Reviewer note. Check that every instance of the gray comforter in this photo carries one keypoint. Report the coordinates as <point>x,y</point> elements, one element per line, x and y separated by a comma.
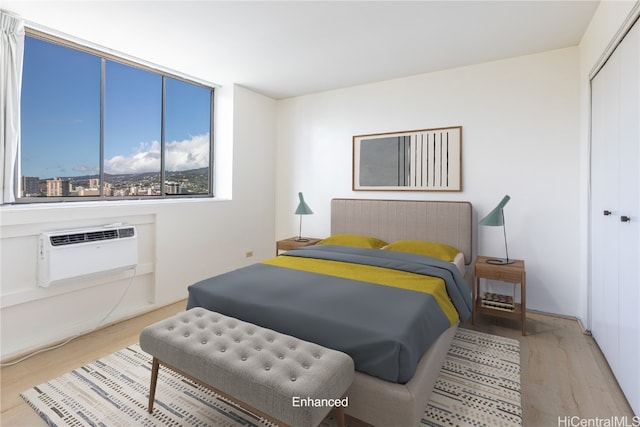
<point>384,329</point>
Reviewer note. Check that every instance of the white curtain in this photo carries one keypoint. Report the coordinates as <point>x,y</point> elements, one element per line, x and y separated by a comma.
<point>11,55</point>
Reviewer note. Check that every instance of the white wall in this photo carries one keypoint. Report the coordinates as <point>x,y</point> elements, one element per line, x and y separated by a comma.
<point>608,19</point>
<point>521,136</point>
<point>180,242</point>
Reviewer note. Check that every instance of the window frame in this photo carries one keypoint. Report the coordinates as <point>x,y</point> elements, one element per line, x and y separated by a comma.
<point>104,55</point>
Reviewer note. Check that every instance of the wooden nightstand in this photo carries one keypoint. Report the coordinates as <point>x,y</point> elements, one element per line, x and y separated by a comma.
<point>510,273</point>
<point>291,243</point>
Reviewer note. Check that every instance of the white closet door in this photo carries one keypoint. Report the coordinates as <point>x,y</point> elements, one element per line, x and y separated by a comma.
<point>629,233</point>
<point>615,190</point>
<point>604,213</point>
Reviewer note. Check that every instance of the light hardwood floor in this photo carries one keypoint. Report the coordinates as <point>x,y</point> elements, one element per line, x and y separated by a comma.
<point>563,372</point>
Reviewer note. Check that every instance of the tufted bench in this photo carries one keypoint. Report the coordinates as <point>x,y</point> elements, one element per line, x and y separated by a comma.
<point>276,376</point>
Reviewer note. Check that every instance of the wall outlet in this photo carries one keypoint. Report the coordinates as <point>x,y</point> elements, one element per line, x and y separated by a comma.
<point>248,254</point>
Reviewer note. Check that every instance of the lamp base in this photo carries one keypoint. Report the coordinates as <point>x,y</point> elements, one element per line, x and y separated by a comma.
<point>301,239</point>
<point>500,261</point>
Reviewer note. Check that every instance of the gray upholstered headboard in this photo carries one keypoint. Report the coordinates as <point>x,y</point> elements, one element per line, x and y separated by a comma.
<point>391,220</point>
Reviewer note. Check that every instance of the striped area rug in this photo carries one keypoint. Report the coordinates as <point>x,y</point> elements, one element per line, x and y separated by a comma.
<point>479,385</point>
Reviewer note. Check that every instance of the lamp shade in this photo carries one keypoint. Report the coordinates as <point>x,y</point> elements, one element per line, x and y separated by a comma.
<point>303,208</point>
<point>495,217</point>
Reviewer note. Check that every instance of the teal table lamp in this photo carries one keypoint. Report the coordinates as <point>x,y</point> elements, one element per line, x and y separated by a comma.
<point>302,209</point>
<point>496,218</point>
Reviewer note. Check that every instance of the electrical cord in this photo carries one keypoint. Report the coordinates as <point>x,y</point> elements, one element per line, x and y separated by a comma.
<point>68,340</point>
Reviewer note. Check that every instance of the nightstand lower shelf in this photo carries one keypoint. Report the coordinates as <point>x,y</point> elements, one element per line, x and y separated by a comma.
<point>516,313</point>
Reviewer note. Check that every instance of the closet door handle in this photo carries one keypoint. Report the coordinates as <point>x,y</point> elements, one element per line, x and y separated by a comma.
<point>606,213</point>
<point>625,218</point>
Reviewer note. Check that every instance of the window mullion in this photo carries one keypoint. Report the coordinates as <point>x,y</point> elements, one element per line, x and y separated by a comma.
<point>211,140</point>
<point>101,182</point>
<point>162,136</point>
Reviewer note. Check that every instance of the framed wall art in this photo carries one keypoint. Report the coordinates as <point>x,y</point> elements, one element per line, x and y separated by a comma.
<point>418,160</point>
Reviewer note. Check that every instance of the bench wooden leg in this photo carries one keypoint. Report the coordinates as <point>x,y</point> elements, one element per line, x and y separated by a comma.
<point>154,380</point>
<point>340,416</point>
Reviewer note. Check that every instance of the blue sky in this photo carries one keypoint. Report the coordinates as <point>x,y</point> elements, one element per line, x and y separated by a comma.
<point>61,116</point>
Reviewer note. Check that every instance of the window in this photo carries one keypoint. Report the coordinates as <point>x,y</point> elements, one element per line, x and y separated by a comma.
<point>96,127</point>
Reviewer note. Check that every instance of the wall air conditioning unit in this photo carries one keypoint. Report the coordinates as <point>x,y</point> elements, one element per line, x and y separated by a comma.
<point>73,254</point>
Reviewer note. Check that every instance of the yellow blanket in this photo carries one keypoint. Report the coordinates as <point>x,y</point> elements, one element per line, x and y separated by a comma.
<point>377,275</point>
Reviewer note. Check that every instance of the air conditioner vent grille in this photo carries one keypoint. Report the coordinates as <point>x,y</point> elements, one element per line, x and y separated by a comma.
<point>91,236</point>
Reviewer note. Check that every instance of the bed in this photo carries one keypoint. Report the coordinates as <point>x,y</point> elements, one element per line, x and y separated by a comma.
<point>331,294</point>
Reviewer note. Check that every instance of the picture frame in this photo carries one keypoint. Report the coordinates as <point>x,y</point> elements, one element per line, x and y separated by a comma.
<point>416,160</point>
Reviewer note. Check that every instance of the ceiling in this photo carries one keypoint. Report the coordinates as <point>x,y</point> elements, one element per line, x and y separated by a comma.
<point>292,48</point>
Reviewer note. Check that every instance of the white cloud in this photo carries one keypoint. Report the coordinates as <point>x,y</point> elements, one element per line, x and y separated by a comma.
<point>182,155</point>
<point>188,154</point>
